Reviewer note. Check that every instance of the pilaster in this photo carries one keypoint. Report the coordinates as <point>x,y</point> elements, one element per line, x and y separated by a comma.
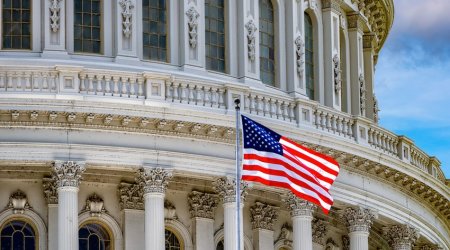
<point>192,33</point>
<point>369,75</point>
<point>126,29</point>
<point>54,15</point>
<point>355,35</point>
<point>332,53</point>
<point>295,48</point>
<point>358,222</point>
<point>302,215</point>
<point>202,207</point>
<point>225,187</point>
<point>401,237</point>
<point>263,216</point>
<point>51,197</point>
<point>67,175</point>
<point>154,182</point>
<point>132,205</point>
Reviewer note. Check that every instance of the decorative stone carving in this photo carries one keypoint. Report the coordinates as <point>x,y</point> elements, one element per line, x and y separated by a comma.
<point>286,235</point>
<point>362,94</point>
<point>202,205</point>
<point>430,247</point>
<point>358,219</point>
<point>52,116</point>
<point>401,237</point>
<point>95,205</point>
<point>375,109</point>
<point>319,231</point>
<point>50,190</point>
<point>226,188</point>
<point>193,16</point>
<point>169,210</point>
<point>68,173</point>
<point>299,207</point>
<point>15,115</point>
<point>18,202</point>
<point>263,216</point>
<point>71,117</point>
<point>34,116</point>
<point>251,37</point>
<point>300,51</point>
<point>343,22</point>
<point>337,73</point>
<point>90,118</point>
<point>127,16</point>
<point>153,180</point>
<point>345,242</point>
<point>54,15</point>
<point>312,4</point>
<point>130,196</point>
<point>331,244</point>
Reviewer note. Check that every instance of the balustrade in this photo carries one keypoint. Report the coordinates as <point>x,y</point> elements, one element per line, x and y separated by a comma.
<point>28,80</point>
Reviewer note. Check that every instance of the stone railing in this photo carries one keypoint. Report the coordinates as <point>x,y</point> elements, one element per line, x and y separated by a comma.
<point>146,87</point>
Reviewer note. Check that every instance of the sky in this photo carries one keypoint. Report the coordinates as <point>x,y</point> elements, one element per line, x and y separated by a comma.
<point>412,81</point>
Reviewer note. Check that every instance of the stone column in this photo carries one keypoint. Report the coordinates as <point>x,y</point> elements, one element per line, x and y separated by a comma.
<point>302,215</point>
<point>132,205</point>
<point>67,175</point>
<point>331,53</point>
<point>51,196</point>
<point>358,222</point>
<point>154,183</point>
<point>226,188</point>
<point>357,81</point>
<point>263,216</point>
<point>202,207</point>
<point>369,74</point>
<point>401,237</point>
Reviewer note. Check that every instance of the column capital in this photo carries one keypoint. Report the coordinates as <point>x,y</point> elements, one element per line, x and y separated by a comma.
<point>226,188</point>
<point>355,21</point>
<point>401,237</point>
<point>299,207</point>
<point>331,5</point>
<point>368,39</point>
<point>358,219</point>
<point>153,180</point>
<point>202,205</point>
<point>263,216</point>
<point>319,231</point>
<point>68,173</point>
<point>50,190</point>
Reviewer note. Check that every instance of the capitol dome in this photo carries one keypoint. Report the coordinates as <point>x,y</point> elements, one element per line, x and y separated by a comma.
<point>117,127</point>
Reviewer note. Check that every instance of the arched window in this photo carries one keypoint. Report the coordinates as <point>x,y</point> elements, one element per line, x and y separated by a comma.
<point>16,22</point>
<point>309,57</point>
<point>18,235</point>
<point>220,246</point>
<point>154,19</point>
<point>172,242</point>
<point>215,35</point>
<point>87,26</point>
<point>266,42</point>
<point>93,236</point>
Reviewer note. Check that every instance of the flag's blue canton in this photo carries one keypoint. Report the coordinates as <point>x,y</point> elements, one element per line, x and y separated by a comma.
<point>260,138</point>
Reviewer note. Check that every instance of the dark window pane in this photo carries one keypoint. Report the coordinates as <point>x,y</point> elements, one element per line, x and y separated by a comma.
<point>215,35</point>
<point>266,42</point>
<point>309,57</point>
<point>154,29</point>
<point>87,26</point>
<point>94,237</point>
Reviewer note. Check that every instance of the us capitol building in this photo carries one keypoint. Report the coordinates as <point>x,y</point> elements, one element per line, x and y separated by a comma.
<point>117,127</point>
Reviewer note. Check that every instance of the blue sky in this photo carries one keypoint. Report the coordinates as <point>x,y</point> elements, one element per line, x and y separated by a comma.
<point>413,76</point>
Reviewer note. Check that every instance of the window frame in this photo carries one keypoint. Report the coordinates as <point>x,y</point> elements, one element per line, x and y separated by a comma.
<point>276,40</point>
<point>313,58</point>
<point>104,225</point>
<point>37,244</point>
<point>225,44</point>
<point>140,36</point>
<point>102,24</point>
<point>32,29</point>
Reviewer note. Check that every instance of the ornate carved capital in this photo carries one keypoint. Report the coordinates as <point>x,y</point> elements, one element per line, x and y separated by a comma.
<point>331,4</point>
<point>202,205</point>
<point>354,21</point>
<point>299,207</point>
<point>368,41</point>
<point>319,231</point>
<point>358,219</point>
<point>50,190</point>
<point>130,196</point>
<point>226,188</point>
<point>153,180</point>
<point>68,173</point>
<point>263,216</point>
<point>95,205</point>
<point>401,237</point>
<point>18,202</point>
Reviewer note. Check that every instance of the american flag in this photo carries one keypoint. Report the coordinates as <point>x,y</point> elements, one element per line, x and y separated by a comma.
<point>274,160</point>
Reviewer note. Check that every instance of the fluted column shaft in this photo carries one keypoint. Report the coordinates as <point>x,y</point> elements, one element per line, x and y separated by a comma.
<point>67,176</point>
<point>154,221</point>
<point>302,232</point>
<point>68,218</point>
<point>154,183</point>
<point>359,240</point>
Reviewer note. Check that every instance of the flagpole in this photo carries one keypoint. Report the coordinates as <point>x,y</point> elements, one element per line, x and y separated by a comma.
<point>238,176</point>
